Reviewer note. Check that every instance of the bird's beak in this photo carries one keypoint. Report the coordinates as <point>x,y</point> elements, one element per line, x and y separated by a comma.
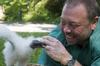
<point>37,44</point>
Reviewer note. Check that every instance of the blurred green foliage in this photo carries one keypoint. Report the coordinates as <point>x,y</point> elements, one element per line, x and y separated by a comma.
<point>21,10</point>
<point>43,11</point>
<point>98,2</point>
<point>55,6</point>
<point>27,11</point>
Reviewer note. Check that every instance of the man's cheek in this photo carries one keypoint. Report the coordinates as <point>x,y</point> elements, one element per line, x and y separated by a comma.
<point>79,31</point>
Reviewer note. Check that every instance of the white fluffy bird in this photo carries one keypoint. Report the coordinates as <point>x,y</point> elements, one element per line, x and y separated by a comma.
<point>17,49</point>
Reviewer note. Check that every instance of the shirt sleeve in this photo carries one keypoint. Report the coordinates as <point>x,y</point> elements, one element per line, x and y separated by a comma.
<point>96,62</point>
<point>95,45</point>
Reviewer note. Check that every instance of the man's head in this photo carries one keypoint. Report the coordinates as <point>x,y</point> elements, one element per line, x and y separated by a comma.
<point>78,20</point>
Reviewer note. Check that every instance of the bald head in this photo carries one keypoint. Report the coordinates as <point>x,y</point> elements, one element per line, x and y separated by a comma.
<point>79,9</point>
<point>91,7</point>
<point>76,14</point>
<point>75,22</point>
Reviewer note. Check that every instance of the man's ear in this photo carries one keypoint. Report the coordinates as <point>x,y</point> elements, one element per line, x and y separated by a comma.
<point>93,26</point>
<point>96,18</point>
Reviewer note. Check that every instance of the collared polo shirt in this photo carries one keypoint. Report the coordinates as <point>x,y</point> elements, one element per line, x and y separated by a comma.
<point>87,56</point>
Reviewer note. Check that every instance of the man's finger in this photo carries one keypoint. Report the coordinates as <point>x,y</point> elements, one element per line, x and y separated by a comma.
<point>48,48</point>
<point>47,42</point>
<point>52,39</point>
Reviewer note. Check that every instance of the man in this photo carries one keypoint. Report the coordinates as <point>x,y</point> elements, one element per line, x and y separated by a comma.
<point>75,34</point>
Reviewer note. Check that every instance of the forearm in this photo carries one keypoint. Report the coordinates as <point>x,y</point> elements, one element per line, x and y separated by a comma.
<point>57,51</point>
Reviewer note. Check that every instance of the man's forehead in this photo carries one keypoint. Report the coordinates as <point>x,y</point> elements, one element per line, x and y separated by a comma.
<point>75,14</point>
<point>79,9</point>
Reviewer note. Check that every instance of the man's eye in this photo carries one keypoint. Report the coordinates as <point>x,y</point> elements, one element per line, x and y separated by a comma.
<point>75,26</point>
<point>63,23</point>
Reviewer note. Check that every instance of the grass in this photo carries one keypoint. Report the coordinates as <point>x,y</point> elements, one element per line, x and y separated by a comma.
<point>35,54</point>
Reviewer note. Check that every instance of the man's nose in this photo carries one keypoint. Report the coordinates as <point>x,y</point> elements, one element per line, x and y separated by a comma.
<point>67,29</point>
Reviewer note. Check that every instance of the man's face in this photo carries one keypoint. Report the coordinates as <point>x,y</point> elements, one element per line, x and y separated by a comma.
<point>75,24</point>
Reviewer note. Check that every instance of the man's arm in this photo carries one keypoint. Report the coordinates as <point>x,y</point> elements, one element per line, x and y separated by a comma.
<point>57,51</point>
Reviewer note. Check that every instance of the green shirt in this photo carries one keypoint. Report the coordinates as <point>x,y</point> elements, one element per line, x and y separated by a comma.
<point>87,56</point>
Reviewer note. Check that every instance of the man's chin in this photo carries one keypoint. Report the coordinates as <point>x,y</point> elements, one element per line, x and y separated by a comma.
<point>71,42</point>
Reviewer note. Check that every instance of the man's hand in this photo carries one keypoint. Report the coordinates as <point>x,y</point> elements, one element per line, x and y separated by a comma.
<point>56,50</point>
